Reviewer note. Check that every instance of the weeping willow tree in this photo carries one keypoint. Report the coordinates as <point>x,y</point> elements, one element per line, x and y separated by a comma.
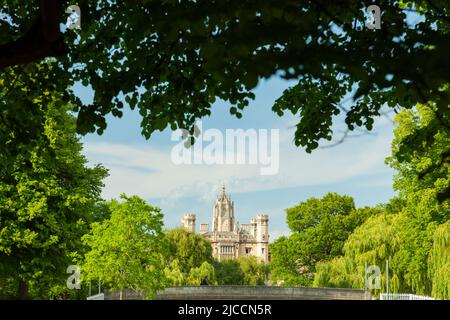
<point>340,272</point>
<point>204,272</point>
<point>371,244</point>
<point>422,180</point>
<point>383,238</point>
<point>174,274</point>
<point>414,237</point>
<point>439,262</point>
<point>194,277</point>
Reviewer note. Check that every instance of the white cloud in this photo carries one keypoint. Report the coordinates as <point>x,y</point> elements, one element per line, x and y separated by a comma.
<point>147,170</point>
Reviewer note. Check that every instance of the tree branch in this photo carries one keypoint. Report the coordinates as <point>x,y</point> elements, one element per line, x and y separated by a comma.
<point>435,7</point>
<point>346,134</point>
<point>42,40</point>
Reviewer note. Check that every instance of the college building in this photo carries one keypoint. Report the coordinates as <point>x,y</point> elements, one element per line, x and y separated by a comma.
<point>230,240</point>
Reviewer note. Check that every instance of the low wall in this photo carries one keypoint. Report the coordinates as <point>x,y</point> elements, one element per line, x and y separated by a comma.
<point>250,293</point>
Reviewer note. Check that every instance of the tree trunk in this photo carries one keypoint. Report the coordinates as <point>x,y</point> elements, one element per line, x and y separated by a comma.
<point>121,294</point>
<point>42,40</point>
<point>23,290</point>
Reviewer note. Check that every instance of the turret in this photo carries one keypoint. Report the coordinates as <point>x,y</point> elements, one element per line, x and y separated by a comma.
<point>262,228</point>
<point>262,237</point>
<point>189,222</point>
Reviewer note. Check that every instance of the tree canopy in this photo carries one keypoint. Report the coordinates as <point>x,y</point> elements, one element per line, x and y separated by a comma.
<point>371,244</point>
<point>319,228</point>
<point>190,249</point>
<point>439,262</point>
<point>412,233</point>
<point>173,59</point>
<point>229,272</point>
<point>188,259</point>
<point>47,197</point>
<point>242,271</point>
<point>127,250</point>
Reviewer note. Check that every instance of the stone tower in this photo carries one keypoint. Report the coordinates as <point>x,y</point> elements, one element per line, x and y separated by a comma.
<point>262,236</point>
<point>189,222</point>
<point>229,240</point>
<point>223,214</point>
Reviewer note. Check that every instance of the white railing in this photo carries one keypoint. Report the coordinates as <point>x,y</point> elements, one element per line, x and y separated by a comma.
<point>99,296</point>
<point>403,296</point>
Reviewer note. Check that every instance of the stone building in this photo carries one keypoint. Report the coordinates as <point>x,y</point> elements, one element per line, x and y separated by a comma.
<point>230,240</point>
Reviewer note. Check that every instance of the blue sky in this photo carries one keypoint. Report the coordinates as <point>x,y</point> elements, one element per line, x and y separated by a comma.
<point>137,166</point>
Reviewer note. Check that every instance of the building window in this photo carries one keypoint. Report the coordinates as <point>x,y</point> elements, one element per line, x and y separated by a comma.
<point>262,250</point>
<point>248,251</point>
<point>227,250</point>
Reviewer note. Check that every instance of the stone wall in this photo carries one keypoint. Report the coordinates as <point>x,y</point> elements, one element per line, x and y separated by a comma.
<point>250,293</point>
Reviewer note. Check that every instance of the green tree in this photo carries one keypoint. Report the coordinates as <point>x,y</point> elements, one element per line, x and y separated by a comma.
<point>422,180</point>
<point>126,251</point>
<point>204,272</point>
<point>283,262</point>
<point>255,273</point>
<point>228,272</point>
<point>320,228</point>
<point>415,238</point>
<point>338,273</point>
<point>439,262</point>
<point>426,165</point>
<point>242,271</point>
<point>173,59</point>
<point>371,244</point>
<point>194,277</point>
<point>188,248</point>
<point>47,193</point>
<point>174,275</point>
<point>383,237</point>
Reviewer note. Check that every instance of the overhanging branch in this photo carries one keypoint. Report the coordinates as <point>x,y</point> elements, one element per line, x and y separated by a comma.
<point>42,40</point>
